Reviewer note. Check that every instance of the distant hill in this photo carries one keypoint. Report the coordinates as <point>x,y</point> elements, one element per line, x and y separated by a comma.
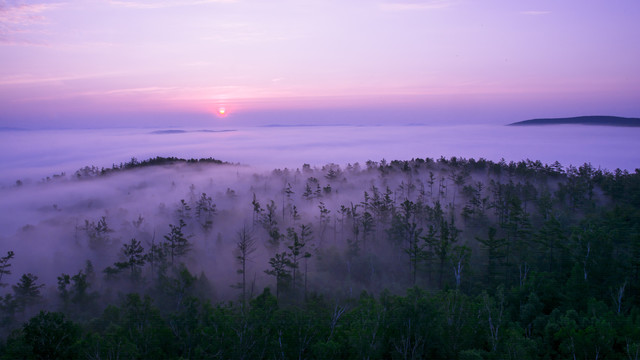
<point>582,120</point>
<point>177,131</point>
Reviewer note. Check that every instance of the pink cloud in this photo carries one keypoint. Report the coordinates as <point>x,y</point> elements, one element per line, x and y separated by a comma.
<point>18,18</point>
<point>163,4</point>
<point>400,5</point>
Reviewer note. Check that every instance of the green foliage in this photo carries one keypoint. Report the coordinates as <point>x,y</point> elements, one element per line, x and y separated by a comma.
<point>98,234</point>
<point>297,243</point>
<point>133,253</point>
<point>483,260</point>
<point>281,266</point>
<point>495,249</point>
<point>245,247</point>
<point>205,212</point>
<point>77,298</point>
<point>440,239</point>
<point>45,336</point>
<point>26,292</point>
<point>176,243</point>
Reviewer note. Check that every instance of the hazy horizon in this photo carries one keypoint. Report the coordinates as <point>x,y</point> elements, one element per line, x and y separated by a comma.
<point>36,154</point>
<point>457,70</point>
<point>156,63</point>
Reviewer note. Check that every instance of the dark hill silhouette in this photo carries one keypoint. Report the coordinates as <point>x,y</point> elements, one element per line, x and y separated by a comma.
<point>582,120</point>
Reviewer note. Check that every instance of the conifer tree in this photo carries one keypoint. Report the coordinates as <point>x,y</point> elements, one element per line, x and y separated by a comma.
<point>26,292</point>
<point>205,211</point>
<point>281,270</point>
<point>495,248</point>
<point>184,210</point>
<point>440,241</point>
<point>4,266</point>
<point>98,233</point>
<point>176,242</point>
<point>325,218</point>
<point>297,243</point>
<point>245,246</point>
<point>133,254</point>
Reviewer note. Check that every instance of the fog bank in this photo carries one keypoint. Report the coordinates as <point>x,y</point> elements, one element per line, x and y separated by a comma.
<point>36,154</point>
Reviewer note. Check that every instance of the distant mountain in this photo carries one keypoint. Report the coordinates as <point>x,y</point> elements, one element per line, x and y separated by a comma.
<point>168,132</point>
<point>582,120</point>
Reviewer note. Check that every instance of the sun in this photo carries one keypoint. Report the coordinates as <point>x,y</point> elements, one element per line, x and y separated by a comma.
<point>222,111</point>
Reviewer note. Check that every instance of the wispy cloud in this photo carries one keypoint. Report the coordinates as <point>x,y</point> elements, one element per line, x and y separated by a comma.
<point>164,4</point>
<point>403,5</point>
<point>198,64</point>
<point>247,37</point>
<point>32,80</point>
<point>239,32</point>
<point>23,13</point>
<point>140,90</point>
<point>535,12</point>
<point>161,96</point>
<point>18,18</point>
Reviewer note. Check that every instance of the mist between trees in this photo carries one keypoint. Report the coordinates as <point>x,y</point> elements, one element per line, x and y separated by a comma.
<point>497,260</point>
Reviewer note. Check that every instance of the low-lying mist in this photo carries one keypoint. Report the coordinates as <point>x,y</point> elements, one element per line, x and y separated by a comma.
<point>354,221</point>
<point>33,155</point>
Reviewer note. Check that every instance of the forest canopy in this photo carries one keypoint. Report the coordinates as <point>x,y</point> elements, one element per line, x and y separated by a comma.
<point>424,258</point>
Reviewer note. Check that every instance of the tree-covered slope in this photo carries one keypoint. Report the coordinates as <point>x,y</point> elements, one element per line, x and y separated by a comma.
<point>448,258</point>
<point>582,120</point>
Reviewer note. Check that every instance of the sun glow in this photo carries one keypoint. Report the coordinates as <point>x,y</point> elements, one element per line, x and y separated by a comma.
<point>222,111</point>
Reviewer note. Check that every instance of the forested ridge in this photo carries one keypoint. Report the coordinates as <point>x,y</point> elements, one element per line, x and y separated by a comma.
<point>428,258</point>
<point>582,120</point>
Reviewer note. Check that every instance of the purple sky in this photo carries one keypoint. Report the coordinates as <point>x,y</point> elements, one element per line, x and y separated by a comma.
<point>95,63</point>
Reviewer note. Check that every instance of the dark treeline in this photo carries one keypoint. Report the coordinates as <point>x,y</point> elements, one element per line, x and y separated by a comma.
<point>89,171</point>
<point>448,259</point>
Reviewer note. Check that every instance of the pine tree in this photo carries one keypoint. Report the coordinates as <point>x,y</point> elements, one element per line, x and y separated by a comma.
<point>4,266</point>
<point>257,209</point>
<point>205,211</point>
<point>184,211</point>
<point>414,249</point>
<point>177,243</point>
<point>495,248</point>
<point>26,292</point>
<point>245,246</point>
<point>325,218</point>
<point>270,224</point>
<point>441,241</point>
<point>157,257</point>
<point>296,251</point>
<point>280,269</point>
<point>133,254</point>
<point>98,233</point>
<point>368,226</point>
